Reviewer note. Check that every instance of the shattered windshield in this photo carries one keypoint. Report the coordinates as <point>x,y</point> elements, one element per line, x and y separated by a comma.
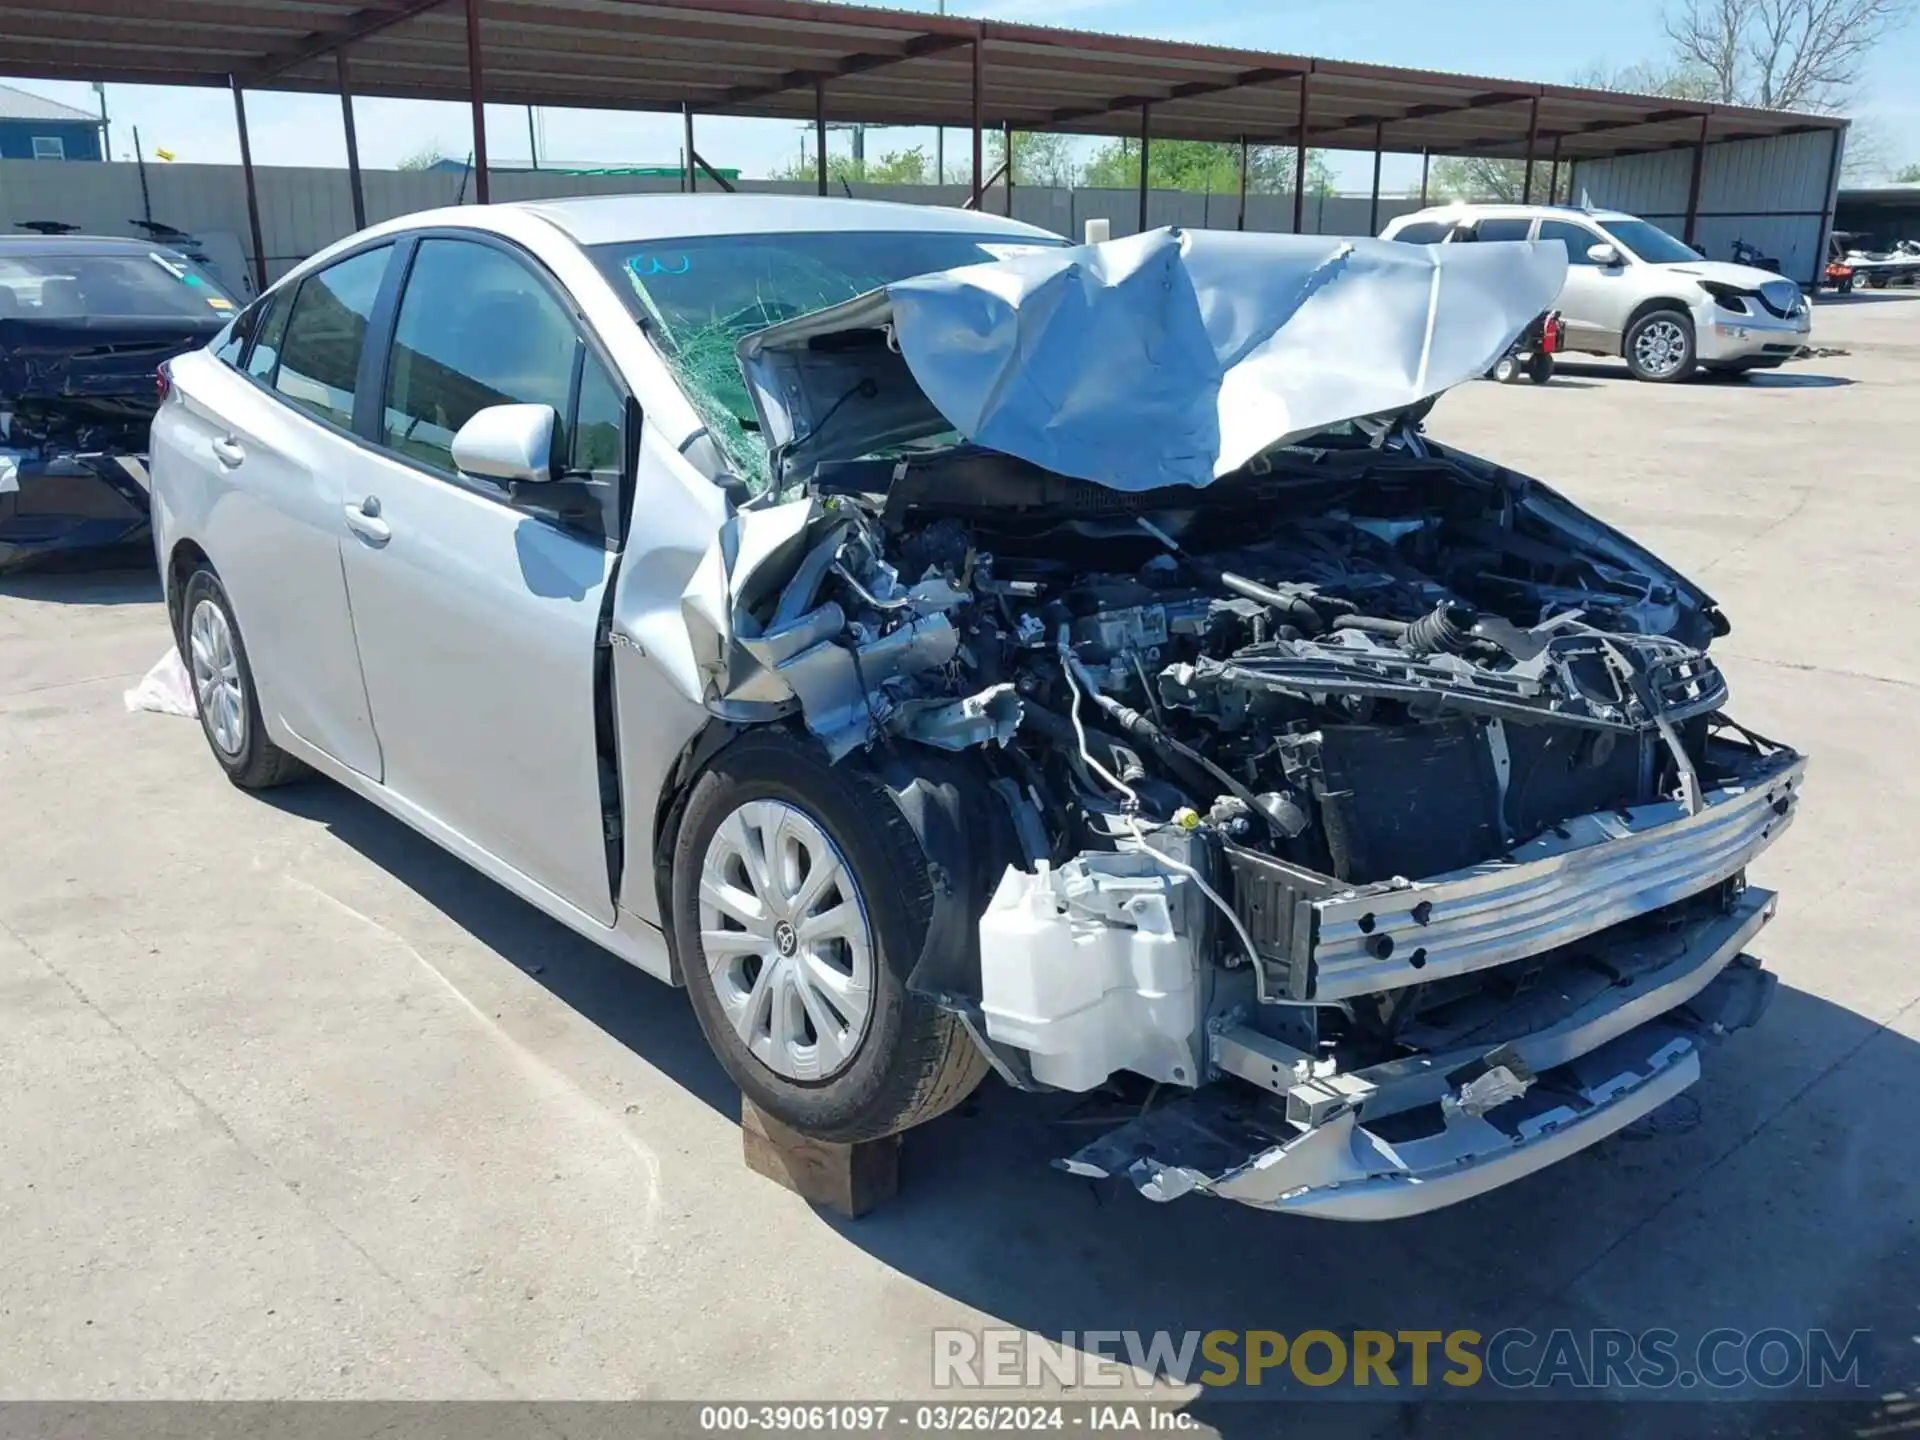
<point>700,296</point>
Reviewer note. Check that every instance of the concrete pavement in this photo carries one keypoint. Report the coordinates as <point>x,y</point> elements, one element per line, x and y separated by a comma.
<point>294,1105</point>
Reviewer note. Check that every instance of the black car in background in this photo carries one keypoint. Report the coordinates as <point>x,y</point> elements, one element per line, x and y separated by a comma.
<point>84,326</point>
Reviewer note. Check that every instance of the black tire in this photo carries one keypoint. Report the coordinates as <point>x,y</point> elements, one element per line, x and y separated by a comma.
<point>1845,287</point>
<point>1540,367</point>
<point>1878,281</point>
<point>913,1060</point>
<point>1675,327</point>
<point>256,763</point>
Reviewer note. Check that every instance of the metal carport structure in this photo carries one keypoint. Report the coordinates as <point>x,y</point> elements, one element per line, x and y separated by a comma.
<point>803,60</point>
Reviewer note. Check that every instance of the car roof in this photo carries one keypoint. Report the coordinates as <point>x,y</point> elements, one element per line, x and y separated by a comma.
<point>70,245</point>
<point>1475,209</point>
<point>608,219</point>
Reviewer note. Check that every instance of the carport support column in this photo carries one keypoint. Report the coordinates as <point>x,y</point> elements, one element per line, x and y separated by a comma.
<point>1373,207</point>
<point>476,91</point>
<point>1006,141</point>
<point>1425,158</point>
<point>1553,174</point>
<point>1693,185</point>
<point>1146,120</point>
<point>253,195</point>
<point>686,124</point>
<point>979,85</point>
<point>1827,214</point>
<point>820,137</point>
<point>1533,136</point>
<point>353,141</point>
<point>1300,159</point>
<point>1240,217</point>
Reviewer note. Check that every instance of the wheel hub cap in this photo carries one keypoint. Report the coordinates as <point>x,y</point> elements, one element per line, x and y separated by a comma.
<point>215,667</point>
<point>1660,347</point>
<point>786,939</point>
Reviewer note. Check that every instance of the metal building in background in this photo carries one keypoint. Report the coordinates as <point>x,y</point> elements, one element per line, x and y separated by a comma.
<point>1777,193</point>
<point>815,62</point>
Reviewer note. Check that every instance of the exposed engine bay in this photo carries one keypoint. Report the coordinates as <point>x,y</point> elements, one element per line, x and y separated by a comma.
<point>1374,800</point>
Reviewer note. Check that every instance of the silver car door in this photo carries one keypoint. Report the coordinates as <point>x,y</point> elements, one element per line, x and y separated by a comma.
<point>1596,299</point>
<point>272,441</point>
<point>477,611</point>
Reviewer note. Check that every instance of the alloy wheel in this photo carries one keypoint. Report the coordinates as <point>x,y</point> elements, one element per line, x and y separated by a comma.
<point>1660,348</point>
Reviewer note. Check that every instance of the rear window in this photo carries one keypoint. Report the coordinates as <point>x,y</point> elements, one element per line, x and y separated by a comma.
<point>154,285</point>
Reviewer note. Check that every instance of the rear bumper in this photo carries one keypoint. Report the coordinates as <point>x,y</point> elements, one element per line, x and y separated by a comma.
<point>69,502</point>
<point>1403,1138</point>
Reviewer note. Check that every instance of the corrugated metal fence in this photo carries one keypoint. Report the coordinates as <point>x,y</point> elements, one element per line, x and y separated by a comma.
<point>303,210</point>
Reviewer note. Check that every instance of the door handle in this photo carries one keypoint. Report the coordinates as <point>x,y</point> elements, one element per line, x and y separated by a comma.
<point>228,451</point>
<point>364,520</point>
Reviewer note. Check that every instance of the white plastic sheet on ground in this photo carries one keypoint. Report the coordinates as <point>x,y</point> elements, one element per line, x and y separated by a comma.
<point>1175,356</point>
<point>166,689</point>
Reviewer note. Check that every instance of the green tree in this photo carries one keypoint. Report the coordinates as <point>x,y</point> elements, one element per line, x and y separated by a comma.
<point>1481,177</point>
<point>425,158</point>
<point>901,167</point>
<point>896,167</point>
<point>1907,175</point>
<point>841,169</point>
<point>1205,166</point>
<point>1039,158</point>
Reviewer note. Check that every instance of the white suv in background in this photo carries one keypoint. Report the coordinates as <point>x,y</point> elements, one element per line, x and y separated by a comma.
<point>1633,290</point>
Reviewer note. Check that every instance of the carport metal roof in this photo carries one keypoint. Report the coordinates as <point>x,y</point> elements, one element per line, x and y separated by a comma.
<point>800,59</point>
<point>763,58</point>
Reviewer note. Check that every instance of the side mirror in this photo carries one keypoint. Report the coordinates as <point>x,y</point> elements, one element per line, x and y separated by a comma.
<point>1601,254</point>
<point>507,443</point>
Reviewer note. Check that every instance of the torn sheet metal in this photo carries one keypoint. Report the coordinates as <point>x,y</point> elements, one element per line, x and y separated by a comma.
<point>1171,357</point>
<point>989,717</point>
<point>766,643</point>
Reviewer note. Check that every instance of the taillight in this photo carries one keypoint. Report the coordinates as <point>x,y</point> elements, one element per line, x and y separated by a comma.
<point>163,381</point>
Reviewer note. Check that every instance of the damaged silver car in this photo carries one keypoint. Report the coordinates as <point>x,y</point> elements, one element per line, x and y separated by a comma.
<point>942,649</point>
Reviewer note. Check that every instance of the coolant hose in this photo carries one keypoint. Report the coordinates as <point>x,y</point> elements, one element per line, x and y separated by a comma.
<point>1293,609</point>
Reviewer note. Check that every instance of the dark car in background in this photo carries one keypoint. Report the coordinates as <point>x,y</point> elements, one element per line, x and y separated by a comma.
<point>85,325</point>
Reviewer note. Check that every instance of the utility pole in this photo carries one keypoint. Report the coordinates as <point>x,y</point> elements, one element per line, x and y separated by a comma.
<point>106,130</point>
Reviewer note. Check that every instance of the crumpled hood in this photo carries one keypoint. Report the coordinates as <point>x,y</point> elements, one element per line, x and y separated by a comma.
<point>1171,357</point>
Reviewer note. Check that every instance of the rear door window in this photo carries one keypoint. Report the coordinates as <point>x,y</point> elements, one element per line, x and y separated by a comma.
<point>1504,227</point>
<point>1421,232</point>
<point>476,328</point>
<point>326,329</point>
<point>269,330</point>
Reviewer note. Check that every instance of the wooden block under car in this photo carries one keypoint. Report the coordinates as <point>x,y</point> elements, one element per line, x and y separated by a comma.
<point>851,1179</point>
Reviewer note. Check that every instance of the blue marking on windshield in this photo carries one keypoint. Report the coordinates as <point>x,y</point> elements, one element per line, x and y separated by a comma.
<point>642,266</point>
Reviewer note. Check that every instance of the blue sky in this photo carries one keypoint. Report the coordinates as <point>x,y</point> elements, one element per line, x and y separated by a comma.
<point>1504,38</point>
